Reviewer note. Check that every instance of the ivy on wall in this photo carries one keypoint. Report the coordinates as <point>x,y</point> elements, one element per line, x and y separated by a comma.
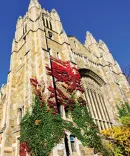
<point>43,128</point>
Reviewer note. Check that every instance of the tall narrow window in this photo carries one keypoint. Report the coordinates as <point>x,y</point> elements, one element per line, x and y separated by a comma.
<point>47,23</point>
<point>58,55</point>
<point>25,28</point>
<point>19,115</point>
<point>59,109</point>
<point>43,20</point>
<point>50,26</point>
<point>50,34</point>
<point>67,112</point>
<point>66,146</point>
<point>24,38</point>
<point>75,44</point>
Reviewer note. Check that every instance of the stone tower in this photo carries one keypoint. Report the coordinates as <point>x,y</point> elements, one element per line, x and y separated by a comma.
<point>38,35</point>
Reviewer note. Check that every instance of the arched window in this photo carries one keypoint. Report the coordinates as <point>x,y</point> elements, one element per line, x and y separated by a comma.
<point>20,114</point>
<point>95,97</point>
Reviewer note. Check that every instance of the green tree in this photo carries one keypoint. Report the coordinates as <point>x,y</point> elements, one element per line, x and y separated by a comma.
<point>119,136</point>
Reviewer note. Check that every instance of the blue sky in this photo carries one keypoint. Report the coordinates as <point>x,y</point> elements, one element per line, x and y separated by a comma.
<point>108,20</point>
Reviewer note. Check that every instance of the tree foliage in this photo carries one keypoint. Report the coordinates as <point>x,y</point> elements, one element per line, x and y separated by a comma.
<point>119,136</point>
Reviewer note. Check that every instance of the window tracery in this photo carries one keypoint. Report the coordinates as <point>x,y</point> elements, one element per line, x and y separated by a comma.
<point>96,102</point>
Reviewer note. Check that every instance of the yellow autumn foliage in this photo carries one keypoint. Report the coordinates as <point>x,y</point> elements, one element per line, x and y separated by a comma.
<point>119,138</point>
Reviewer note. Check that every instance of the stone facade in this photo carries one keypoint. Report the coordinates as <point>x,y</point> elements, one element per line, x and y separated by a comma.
<point>40,34</point>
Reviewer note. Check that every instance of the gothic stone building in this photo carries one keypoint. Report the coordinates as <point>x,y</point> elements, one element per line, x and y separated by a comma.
<point>39,34</point>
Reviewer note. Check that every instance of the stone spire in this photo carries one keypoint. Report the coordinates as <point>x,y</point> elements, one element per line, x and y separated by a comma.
<point>33,3</point>
<point>55,15</point>
<point>89,40</point>
<point>103,45</point>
